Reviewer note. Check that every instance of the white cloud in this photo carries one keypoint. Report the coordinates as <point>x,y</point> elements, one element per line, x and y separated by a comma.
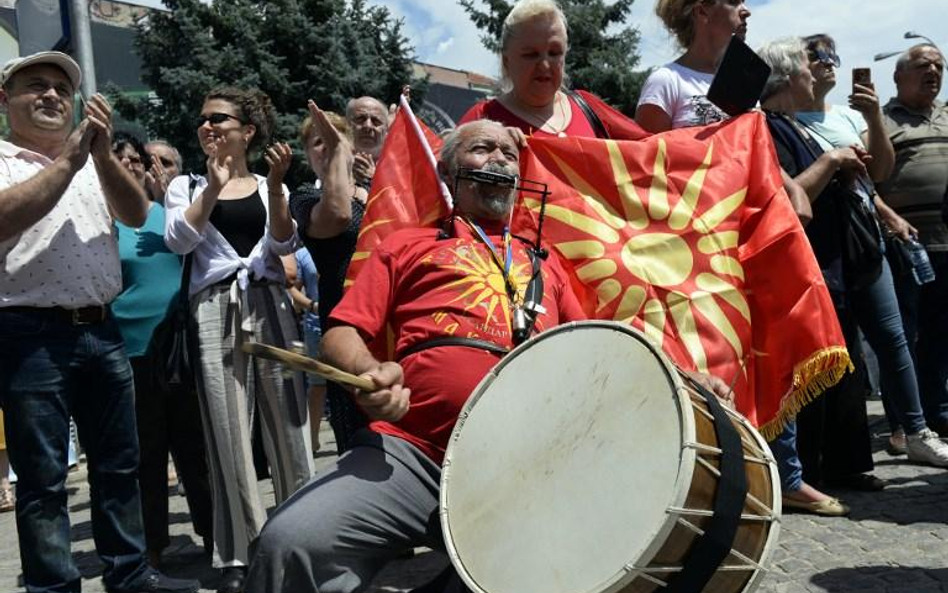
<point>445,45</point>
<point>443,34</point>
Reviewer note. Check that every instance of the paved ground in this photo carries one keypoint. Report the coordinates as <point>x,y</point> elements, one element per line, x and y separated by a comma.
<point>896,541</point>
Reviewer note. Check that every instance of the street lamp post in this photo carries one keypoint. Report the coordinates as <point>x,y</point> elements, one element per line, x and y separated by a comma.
<point>884,55</point>
<point>908,35</point>
<point>914,35</point>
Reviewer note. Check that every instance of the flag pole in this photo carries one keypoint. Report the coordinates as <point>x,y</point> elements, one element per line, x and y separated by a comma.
<point>429,154</point>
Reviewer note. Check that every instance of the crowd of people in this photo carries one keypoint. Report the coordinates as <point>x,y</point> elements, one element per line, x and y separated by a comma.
<point>103,235</point>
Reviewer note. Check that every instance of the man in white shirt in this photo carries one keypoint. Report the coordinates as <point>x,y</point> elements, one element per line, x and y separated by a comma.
<point>60,350</point>
<point>368,119</point>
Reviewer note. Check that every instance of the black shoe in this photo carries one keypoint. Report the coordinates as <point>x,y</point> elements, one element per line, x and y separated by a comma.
<point>232,579</point>
<point>863,482</point>
<point>156,582</point>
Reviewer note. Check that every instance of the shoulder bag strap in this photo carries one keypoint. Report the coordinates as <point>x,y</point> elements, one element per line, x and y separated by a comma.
<point>188,258</point>
<point>591,116</point>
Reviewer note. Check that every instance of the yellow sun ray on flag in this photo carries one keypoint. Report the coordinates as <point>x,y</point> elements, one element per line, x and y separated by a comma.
<point>661,232</point>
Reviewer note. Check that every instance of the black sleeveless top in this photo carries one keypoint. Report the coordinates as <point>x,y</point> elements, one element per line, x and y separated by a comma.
<point>242,222</point>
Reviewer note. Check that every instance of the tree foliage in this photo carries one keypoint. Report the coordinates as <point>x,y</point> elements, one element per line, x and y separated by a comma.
<point>603,51</point>
<point>294,50</point>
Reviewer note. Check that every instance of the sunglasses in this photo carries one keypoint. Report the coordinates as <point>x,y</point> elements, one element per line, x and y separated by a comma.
<point>216,118</point>
<point>824,57</point>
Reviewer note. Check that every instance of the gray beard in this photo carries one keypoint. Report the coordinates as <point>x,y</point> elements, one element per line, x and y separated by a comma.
<point>497,200</point>
<point>497,204</point>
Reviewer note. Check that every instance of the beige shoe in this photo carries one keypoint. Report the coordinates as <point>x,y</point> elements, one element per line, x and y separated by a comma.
<point>829,507</point>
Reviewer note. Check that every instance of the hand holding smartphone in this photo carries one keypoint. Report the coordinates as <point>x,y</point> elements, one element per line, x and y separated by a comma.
<point>862,77</point>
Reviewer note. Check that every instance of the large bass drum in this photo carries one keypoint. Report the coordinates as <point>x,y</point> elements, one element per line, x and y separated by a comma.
<point>586,463</point>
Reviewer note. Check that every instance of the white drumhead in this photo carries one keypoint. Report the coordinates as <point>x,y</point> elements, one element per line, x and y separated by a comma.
<point>563,462</point>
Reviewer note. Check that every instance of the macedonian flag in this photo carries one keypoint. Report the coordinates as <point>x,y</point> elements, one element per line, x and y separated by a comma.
<point>689,236</point>
<point>406,190</point>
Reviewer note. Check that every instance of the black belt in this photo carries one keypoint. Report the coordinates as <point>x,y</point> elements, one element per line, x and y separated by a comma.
<point>80,316</point>
<point>452,341</point>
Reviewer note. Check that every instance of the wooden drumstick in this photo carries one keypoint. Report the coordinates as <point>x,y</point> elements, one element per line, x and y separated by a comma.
<point>301,362</point>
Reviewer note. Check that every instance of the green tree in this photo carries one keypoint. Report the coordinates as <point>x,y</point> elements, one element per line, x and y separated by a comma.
<point>294,50</point>
<point>603,51</point>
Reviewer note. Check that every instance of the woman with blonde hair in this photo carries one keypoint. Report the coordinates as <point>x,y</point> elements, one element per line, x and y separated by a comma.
<point>535,98</point>
<point>674,96</point>
<point>236,225</point>
<point>328,214</point>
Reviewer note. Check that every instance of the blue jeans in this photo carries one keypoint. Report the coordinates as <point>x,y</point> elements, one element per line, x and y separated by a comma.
<point>877,311</point>
<point>50,369</point>
<point>925,317</point>
<point>784,448</point>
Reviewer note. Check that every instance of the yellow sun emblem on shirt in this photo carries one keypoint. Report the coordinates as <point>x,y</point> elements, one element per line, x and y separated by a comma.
<point>483,283</point>
<point>663,253</point>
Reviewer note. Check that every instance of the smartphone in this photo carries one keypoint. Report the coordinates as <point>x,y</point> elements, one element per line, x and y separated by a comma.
<point>862,77</point>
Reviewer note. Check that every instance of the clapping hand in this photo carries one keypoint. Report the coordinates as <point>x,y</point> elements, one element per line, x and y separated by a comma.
<point>220,168</point>
<point>76,150</point>
<point>278,158</point>
<point>363,167</point>
<point>156,178</point>
<point>98,113</point>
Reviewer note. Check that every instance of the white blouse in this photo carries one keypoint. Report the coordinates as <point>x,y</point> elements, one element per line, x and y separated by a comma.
<point>214,258</point>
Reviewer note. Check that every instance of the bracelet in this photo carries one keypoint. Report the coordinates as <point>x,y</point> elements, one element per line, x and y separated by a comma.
<point>312,306</point>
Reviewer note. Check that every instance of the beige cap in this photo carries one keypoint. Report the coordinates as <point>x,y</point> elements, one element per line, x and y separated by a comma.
<point>56,58</point>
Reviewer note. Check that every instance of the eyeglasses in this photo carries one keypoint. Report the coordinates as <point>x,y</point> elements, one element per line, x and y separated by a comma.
<point>216,118</point>
<point>824,57</point>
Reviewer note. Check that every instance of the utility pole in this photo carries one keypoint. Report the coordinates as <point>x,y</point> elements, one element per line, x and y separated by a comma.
<point>82,44</point>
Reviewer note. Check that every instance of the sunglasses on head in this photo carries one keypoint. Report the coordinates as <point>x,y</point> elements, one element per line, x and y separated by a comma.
<point>216,118</point>
<point>824,57</point>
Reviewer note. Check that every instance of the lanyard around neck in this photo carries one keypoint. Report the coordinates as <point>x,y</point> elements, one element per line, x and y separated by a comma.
<point>505,266</point>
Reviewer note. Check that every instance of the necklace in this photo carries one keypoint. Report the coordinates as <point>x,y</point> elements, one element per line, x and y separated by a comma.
<point>544,125</point>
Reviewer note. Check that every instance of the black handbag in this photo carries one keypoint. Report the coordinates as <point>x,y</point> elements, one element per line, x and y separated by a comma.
<point>169,353</point>
<point>862,240</point>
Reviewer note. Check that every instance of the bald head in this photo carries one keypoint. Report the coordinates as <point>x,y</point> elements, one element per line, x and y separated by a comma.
<point>368,120</point>
<point>918,76</point>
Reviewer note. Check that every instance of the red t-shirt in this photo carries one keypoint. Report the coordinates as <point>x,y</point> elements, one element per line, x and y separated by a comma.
<point>617,125</point>
<point>426,288</point>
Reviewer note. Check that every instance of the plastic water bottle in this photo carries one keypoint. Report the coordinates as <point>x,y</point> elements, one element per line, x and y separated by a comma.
<point>921,266</point>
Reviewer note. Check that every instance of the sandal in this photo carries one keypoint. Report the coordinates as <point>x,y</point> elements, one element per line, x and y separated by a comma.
<point>7,499</point>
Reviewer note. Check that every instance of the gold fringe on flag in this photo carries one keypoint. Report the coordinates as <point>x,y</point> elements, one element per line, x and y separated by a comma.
<point>811,378</point>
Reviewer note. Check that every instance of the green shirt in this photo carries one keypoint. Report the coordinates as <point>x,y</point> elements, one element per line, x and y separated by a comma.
<point>151,276</point>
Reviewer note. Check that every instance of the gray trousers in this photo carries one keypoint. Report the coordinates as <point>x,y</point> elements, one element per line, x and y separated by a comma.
<point>377,501</point>
<point>232,387</point>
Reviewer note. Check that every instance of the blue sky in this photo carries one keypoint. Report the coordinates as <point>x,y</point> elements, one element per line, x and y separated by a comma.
<point>443,34</point>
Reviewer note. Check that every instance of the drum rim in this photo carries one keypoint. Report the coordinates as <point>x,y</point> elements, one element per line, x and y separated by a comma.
<point>624,574</point>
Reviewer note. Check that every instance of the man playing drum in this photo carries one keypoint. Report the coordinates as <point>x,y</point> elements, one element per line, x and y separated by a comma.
<point>451,300</point>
